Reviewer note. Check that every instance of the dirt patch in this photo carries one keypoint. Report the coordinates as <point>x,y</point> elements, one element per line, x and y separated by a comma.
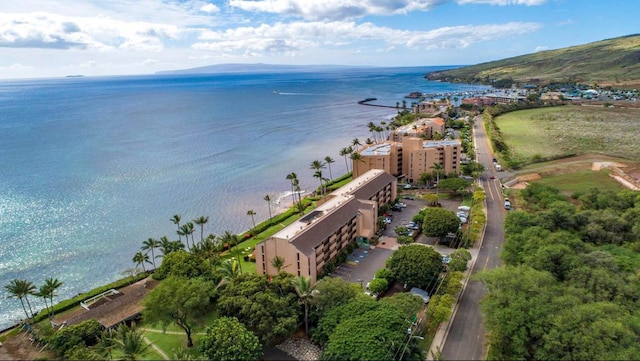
<point>20,347</point>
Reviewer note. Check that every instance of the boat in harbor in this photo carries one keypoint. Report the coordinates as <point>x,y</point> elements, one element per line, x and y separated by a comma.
<point>276,92</point>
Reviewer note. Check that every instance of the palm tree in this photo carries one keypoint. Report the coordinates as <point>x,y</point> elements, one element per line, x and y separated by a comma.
<point>329,160</point>
<point>297,189</point>
<point>437,169</point>
<point>201,221</point>
<point>187,229</point>
<point>278,263</point>
<point>267,199</point>
<point>50,286</point>
<point>345,152</point>
<point>140,259</point>
<point>293,178</point>
<point>106,344</point>
<point>229,270</point>
<point>372,129</point>
<point>181,233</point>
<point>165,245</point>
<point>317,165</point>
<point>16,289</point>
<point>131,342</point>
<point>318,174</point>
<point>252,213</point>
<point>207,249</point>
<point>176,220</point>
<point>232,240</point>
<point>43,292</point>
<point>151,244</point>
<point>304,290</point>
<point>356,143</point>
<point>355,157</point>
<point>191,231</point>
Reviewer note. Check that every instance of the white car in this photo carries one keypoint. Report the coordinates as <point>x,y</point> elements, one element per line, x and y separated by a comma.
<point>407,186</point>
<point>401,204</point>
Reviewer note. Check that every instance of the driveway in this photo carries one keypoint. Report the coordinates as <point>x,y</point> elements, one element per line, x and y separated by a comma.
<point>362,265</point>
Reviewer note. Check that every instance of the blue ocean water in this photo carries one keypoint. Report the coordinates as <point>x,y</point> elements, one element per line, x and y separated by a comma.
<point>92,167</point>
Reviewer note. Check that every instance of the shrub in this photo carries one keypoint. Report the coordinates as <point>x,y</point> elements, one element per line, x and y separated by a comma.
<point>378,285</point>
<point>385,273</point>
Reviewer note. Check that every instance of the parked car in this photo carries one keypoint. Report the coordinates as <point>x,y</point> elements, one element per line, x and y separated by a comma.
<point>396,208</point>
<point>507,204</point>
<point>446,259</point>
<point>408,197</point>
<point>403,205</point>
<point>407,186</point>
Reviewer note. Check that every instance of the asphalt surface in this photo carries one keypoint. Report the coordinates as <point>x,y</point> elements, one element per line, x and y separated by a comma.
<point>466,339</point>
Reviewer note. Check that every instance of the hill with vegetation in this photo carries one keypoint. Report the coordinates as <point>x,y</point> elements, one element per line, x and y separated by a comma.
<point>612,62</point>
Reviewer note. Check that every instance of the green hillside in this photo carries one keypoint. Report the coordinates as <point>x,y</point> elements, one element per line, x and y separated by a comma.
<point>613,62</point>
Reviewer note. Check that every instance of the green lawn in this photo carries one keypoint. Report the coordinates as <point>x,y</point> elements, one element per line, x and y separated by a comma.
<point>581,181</point>
<point>571,129</point>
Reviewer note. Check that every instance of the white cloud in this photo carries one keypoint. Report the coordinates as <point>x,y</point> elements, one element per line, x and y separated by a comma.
<point>335,9</point>
<point>52,31</point>
<point>299,36</point>
<point>541,48</point>
<point>210,8</point>
<point>504,2</point>
<point>150,62</point>
<point>462,36</point>
<point>566,22</point>
<point>89,64</point>
<point>15,66</point>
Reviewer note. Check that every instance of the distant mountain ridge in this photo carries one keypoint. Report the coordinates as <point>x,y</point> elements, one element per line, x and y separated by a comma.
<point>614,62</point>
<point>257,68</point>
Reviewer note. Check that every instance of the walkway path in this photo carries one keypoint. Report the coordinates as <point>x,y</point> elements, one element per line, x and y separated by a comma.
<point>158,350</point>
<point>155,330</point>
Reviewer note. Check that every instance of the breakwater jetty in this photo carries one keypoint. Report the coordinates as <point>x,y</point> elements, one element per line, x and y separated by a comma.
<point>368,101</point>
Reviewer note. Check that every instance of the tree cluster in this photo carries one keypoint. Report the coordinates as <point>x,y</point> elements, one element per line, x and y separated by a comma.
<point>571,286</point>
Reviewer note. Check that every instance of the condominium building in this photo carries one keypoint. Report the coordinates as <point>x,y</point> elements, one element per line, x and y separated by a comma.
<point>421,128</point>
<point>410,158</point>
<point>308,244</point>
<point>386,156</point>
<point>420,156</point>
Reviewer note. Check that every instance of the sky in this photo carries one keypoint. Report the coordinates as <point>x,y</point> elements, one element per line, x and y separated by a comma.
<point>53,38</point>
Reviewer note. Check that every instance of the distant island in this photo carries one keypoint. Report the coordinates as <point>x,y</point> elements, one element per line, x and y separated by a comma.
<point>612,62</point>
<point>260,68</point>
<point>75,76</point>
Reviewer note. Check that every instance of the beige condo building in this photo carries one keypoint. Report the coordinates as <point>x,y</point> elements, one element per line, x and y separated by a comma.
<point>308,244</point>
<point>410,158</point>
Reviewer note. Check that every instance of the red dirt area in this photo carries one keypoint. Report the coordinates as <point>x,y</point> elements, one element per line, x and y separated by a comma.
<point>20,348</point>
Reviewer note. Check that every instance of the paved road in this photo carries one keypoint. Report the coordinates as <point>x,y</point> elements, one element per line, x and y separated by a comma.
<point>466,339</point>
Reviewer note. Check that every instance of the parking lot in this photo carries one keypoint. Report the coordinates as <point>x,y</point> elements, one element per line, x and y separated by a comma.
<point>362,265</point>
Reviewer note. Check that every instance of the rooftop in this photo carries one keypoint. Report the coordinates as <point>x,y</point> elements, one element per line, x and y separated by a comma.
<point>377,149</point>
<point>439,143</point>
<point>340,206</point>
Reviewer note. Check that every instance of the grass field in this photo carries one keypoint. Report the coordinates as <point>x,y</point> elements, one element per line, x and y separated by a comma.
<point>572,129</point>
<point>581,181</point>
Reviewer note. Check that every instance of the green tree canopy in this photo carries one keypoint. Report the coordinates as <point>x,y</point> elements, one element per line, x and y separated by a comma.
<point>331,292</point>
<point>374,335</point>
<point>182,264</point>
<point>269,309</point>
<point>228,339</point>
<point>178,300</point>
<point>378,285</point>
<point>416,265</point>
<point>456,185</point>
<point>438,222</point>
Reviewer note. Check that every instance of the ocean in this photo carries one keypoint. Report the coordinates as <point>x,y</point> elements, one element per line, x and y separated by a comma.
<point>92,167</point>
